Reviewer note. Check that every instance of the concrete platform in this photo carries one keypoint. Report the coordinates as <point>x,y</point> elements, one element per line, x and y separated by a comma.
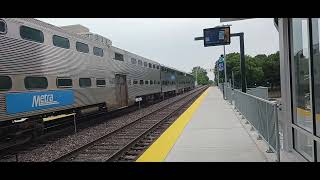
<point>214,133</point>
<point>208,131</point>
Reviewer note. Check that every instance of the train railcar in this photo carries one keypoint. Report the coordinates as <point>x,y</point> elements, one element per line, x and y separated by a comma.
<point>168,79</point>
<point>186,82</point>
<point>175,81</point>
<point>142,75</point>
<point>47,70</point>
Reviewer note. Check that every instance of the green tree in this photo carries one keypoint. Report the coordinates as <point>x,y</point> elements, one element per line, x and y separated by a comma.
<point>202,75</point>
<point>261,70</point>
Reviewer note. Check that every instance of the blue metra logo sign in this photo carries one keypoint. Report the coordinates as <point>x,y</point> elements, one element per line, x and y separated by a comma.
<point>30,101</point>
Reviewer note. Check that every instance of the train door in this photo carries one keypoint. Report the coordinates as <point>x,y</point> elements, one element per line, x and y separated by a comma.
<point>121,90</point>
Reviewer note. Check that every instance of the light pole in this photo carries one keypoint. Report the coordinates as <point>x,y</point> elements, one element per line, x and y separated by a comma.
<point>225,64</point>
<point>197,76</point>
<point>218,76</point>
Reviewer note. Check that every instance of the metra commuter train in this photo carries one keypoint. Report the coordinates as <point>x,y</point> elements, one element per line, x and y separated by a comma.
<point>47,70</point>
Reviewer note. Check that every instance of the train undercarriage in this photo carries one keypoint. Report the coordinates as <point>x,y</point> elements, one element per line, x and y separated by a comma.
<point>22,130</point>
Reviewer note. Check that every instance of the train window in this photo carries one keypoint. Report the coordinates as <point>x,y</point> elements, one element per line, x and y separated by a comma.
<point>157,67</point>
<point>3,27</point>
<point>61,42</point>
<point>150,65</point>
<point>64,82</point>
<point>82,47</point>
<point>5,83</point>
<point>32,82</point>
<point>141,82</point>
<point>101,82</point>
<point>31,34</point>
<point>140,62</point>
<point>164,69</point>
<point>158,82</point>
<point>98,51</point>
<point>145,64</point>
<point>151,82</point>
<point>133,61</point>
<point>118,56</point>
<point>146,82</point>
<point>85,82</point>
<point>154,66</point>
<point>135,82</point>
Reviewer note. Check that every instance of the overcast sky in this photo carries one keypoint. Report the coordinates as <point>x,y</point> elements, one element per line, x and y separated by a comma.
<point>170,41</point>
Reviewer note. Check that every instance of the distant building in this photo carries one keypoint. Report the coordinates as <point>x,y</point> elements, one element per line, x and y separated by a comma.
<point>84,31</point>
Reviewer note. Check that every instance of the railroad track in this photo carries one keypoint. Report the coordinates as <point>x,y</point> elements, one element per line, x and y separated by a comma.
<point>129,141</point>
<point>59,129</point>
<point>63,129</point>
<point>133,150</point>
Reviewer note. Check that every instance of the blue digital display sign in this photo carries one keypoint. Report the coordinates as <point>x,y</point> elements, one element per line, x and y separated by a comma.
<point>216,36</point>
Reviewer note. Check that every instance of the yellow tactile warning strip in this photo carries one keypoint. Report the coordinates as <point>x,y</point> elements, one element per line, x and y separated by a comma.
<point>159,150</point>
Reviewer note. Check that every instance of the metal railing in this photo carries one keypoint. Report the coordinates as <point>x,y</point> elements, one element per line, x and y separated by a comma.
<point>220,86</point>
<point>229,94</point>
<point>261,92</point>
<point>262,115</point>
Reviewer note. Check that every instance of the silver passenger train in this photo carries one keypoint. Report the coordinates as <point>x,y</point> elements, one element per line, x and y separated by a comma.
<point>47,70</point>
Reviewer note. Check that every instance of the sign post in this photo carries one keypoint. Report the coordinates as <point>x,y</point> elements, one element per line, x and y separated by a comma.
<point>139,100</point>
<point>215,37</point>
<point>225,64</point>
<point>221,36</point>
<point>221,67</point>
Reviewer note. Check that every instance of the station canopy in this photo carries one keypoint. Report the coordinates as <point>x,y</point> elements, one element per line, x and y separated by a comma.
<point>232,19</point>
<point>275,20</point>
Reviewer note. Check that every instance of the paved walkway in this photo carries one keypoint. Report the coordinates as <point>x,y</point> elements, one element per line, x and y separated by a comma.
<point>214,134</point>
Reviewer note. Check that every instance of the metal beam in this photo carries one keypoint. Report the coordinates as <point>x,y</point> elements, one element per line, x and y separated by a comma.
<point>198,38</point>
<point>232,19</point>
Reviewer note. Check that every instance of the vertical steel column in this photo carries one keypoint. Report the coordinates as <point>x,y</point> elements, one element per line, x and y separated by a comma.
<point>242,61</point>
<point>225,71</point>
<point>225,63</point>
<point>242,64</point>
<point>277,133</point>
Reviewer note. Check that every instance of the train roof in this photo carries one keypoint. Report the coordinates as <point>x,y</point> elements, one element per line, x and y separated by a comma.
<point>82,32</point>
<point>134,55</point>
<point>162,65</point>
<point>69,30</point>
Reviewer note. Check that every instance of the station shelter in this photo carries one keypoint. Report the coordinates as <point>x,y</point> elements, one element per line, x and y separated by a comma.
<point>299,110</point>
